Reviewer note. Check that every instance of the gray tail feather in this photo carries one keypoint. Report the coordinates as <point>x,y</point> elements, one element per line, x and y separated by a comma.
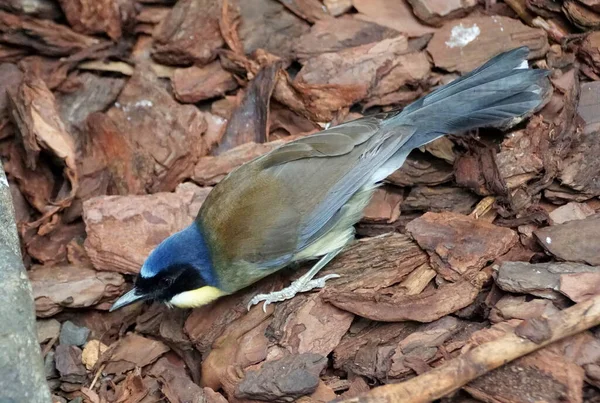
<point>493,94</point>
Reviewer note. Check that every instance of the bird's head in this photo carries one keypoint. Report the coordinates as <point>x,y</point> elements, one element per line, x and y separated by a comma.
<point>178,272</point>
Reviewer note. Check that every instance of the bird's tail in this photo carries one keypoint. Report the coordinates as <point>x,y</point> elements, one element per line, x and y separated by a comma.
<point>501,90</point>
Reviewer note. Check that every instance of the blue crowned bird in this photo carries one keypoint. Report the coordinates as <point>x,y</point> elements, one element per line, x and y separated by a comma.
<point>300,202</point>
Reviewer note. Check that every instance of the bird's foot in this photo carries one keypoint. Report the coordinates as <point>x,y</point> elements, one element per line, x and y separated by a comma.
<point>298,286</point>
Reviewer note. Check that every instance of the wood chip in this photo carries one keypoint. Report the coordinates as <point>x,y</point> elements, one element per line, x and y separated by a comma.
<point>59,287</point>
<point>463,45</point>
<point>194,84</point>
<point>441,234</point>
<point>123,230</point>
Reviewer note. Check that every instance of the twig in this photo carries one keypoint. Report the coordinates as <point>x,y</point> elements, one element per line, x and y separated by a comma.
<point>456,373</point>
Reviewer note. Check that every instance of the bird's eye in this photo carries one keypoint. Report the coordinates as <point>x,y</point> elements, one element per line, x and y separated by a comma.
<point>166,281</point>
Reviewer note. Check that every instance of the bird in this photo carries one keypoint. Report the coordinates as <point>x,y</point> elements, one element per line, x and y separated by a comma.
<point>300,202</point>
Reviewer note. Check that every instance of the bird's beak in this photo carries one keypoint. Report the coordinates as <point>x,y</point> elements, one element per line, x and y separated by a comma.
<point>127,299</point>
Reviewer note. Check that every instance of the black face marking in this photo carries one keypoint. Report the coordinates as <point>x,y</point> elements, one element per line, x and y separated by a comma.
<point>170,282</point>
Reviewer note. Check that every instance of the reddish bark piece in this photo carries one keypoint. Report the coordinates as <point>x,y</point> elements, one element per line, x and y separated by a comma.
<point>477,39</point>
<point>546,279</point>
<point>310,10</point>
<point>268,25</point>
<point>69,365</point>
<point>132,351</point>
<point>194,84</point>
<point>440,198</point>
<point>281,380</point>
<point>249,121</point>
<point>433,12</point>
<point>393,14</point>
<point>332,35</point>
<point>458,244</point>
<point>421,169</point>
<point>428,306</point>
<point>580,168</point>
<point>123,230</point>
<point>543,375</point>
<point>59,287</point>
<point>307,324</point>
<point>190,33</point>
<point>160,128</point>
<point>573,241</point>
<point>98,16</point>
<point>43,36</point>
<point>384,67</point>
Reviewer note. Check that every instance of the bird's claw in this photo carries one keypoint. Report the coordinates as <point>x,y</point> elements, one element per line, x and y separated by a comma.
<point>289,292</point>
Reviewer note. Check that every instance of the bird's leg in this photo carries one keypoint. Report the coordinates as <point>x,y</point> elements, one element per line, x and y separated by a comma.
<point>303,284</point>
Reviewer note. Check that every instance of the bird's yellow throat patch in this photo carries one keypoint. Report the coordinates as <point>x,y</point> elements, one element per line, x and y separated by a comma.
<point>198,297</point>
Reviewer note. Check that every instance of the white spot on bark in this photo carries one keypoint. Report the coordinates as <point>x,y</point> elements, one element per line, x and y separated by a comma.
<point>461,36</point>
<point>548,240</point>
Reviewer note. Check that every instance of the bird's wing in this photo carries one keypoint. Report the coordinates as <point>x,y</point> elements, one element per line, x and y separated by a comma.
<point>271,208</point>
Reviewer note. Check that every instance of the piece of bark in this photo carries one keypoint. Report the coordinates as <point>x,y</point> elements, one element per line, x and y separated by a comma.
<point>161,128</point>
<point>422,345</point>
<point>520,158</point>
<point>131,351</point>
<point>367,351</point>
<point>10,77</point>
<point>570,212</point>
<point>384,67</point>
<point>283,380</point>
<point>36,185</point>
<point>393,14</point>
<point>51,249</point>
<point>59,287</point>
<point>92,352</point>
<point>543,375</point>
<point>165,324</point>
<point>194,84</point>
<point>134,388</point>
<point>458,244</point>
<point>36,115</point>
<point>580,15</point>
<point>491,355</point>
<point>546,279</point>
<point>310,10</point>
<point>45,9</point>
<point>249,121</point>
<point>242,342</point>
<point>308,325</point>
<point>152,15</point>
<point>93,94</point>
<point>581,169</point>
<point>561,194</point>
<point>333,35</point>
<point>268,25</point>
<point>98,17</point>
<point>384,205</point>
<point>43,36</point>
<point>176,384</point>
<point>123,230</point>
<point>10,54</point>
<point>190,33</point>
<point>518,307</point>
<point>573,241</point>
<point>210,170</point>
<point>112,163</point>
<point>590,52</point>
<point>422,169</point>
<point>337,7</point>
<point>440,198</point>
<point>477,39</point>
<point>428,306</point>
<point>69,365</point>
<point>284,123</point>
<point>435,13</point>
